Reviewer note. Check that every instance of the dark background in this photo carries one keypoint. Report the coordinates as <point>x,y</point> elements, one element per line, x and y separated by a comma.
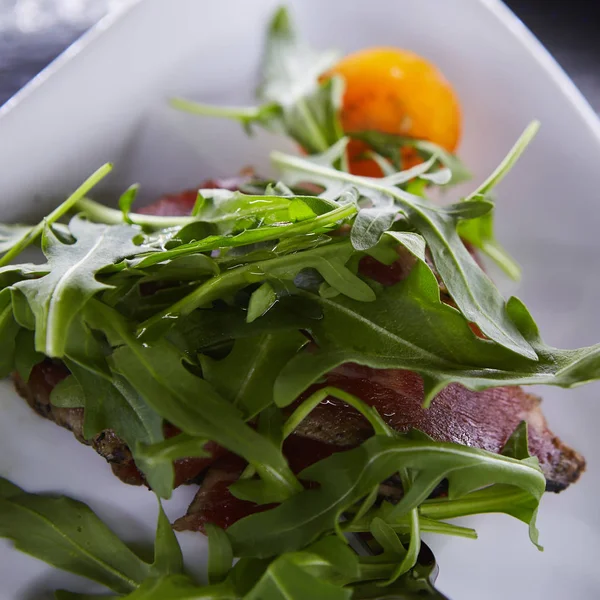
<point>570,29</point>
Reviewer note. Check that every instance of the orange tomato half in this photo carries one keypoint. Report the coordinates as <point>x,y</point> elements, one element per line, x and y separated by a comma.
<point>398,92</point>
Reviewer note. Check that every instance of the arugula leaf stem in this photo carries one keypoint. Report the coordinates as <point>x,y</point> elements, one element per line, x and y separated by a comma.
<point>321,143</point>
<point>365,506</point>
<point>239,113</point>
<point>414,547</point>
<point>57,213</point>
<point>498,254</point>
<point>403,525</point>
<point>308,405</point>
<point>261,234</point>
<point>473,504</point>
<point>110,216</point>
<point>509,161</point>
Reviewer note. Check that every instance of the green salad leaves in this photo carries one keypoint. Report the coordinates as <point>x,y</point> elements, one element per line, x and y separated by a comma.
<point>68,535</point>
<point>223,324</point>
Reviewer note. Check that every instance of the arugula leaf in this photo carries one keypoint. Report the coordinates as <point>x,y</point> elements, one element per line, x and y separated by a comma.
<point>261,301</point>
<point>408,327</point>
<point>247,375</point>
<point>68,394</point>
<point>11,274</point>
<point>8,333</point>
<point>347,477</point>
<point>290,68</point>
<point>295,101</point>
<point>174,448</point>
<point>223,206</point>
<point>173,392</point>
<point>471,289</point>
<point>28,237</point>
<point>370,224</point>
<point>329,561</point>
<point>517,445</point>
<point>480,233</point>
<point>494,499</point>
<point>112,403</point>
<point>338,554</point>
<point>21,310</point>
<point>330,261</point>
<point>271,426</point>
<point>158,374</point>
<point>412,553</point>
<point>86,348</point>
<point>284,580</point>
<point>56,298</point>
<point>181,587</point>
<point>387,538</point>
<point>185,268</point>
<point>11,234</point>
<point>321,570</point>
<point>66,534</point>
<point>66,595</point>
<point>389,146</point>
<point>168,559</point>
<point>413,242</point>
<point>220,554</point>
<point>364,508</point>
<point>415,585</point>
<point>204,330</point>
<point>126,201</point>
<point>320,109</point>
<point>26,356</point>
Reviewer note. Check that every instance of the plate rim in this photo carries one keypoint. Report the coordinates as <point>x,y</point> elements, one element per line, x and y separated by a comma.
<point>497,8</point>
<point>72,51</point>
<point>519,32</point>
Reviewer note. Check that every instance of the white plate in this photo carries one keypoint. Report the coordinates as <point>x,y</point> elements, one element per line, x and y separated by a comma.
<point>104,99</point>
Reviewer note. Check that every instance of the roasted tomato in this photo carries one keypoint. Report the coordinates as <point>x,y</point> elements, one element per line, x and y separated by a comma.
<point>398,92</point>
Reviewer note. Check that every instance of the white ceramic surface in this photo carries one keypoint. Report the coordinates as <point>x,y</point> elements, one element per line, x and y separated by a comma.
<point>104,99</point>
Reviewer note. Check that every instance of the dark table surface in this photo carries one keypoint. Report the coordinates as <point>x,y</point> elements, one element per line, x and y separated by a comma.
<point>30,39</point>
